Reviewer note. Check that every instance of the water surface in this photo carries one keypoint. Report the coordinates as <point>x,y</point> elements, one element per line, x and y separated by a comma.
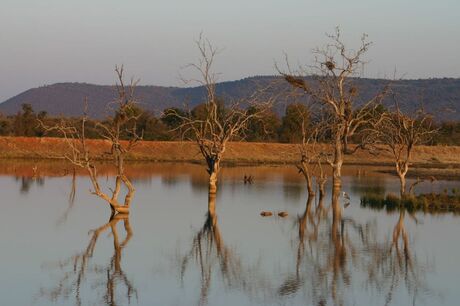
<point>170,251</point>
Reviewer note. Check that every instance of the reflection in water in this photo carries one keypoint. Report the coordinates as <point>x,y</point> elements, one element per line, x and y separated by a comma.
<point>393,263</point>
<point>71,200</point>
<point>329,256</point>
<point>79,272</point>
<point>396,264</point>
<point>342,249</point>
<point>208,249</point>
<point>292,191</point>
<point>360,186</point>
<point>332,253</point>
<point>308,225</point>
<point>27,182</point>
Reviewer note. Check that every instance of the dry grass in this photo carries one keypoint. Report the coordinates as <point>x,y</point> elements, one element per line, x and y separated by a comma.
<point>237,152</point>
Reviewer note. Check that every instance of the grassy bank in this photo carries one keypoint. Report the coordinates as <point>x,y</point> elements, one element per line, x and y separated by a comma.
<point>428,203</point>
<point>237,152</point>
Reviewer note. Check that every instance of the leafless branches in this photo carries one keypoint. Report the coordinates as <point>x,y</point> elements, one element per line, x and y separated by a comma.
<point>220,122</point>
<point>400,133</point>
<point>311,153</point>
<point>121,126</point>
<point>331,87</point>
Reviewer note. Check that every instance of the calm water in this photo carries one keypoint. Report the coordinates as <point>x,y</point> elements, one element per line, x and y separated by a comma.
<point>170,252</point>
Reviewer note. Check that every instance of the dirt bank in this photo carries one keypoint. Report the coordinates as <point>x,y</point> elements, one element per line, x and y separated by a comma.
<point>237,152</point>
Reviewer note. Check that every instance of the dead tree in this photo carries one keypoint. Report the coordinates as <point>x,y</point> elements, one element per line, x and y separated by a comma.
<point>311,154</point>
<point>121,126</point>
<point>221,122</point>
<point>400,133</point>
<point>330,84</point>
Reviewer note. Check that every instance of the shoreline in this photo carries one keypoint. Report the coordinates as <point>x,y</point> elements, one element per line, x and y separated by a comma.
<point>237,153</point>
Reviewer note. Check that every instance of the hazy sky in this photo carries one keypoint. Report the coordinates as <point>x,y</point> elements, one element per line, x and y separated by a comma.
<point>49,41</point>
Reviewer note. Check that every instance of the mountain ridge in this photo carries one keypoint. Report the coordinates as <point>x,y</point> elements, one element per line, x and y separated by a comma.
<point>440,96</point>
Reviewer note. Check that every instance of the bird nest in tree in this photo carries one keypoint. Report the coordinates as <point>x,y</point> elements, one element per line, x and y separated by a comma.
<point>296,81</point>
<point>330,65</point>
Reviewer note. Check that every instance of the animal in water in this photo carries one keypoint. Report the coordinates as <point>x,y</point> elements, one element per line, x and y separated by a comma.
<point>248,179</point>
<point>266,213</point>
<point>283,214</point>
<point>345,195</point>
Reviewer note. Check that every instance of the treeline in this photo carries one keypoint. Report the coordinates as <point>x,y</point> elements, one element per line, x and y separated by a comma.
<point>268,128</point>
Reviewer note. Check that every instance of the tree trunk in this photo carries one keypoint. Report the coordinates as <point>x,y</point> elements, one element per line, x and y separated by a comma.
<point>402,181</point>
<point>339,251</point>
<point>322,187</point>
<point>304,219</point>
<point>336,208</point>
<point>345,145</point>
<point>213,172</point>
<point>402,168</point>
<point>213,183</point>
<point>212,204</point>
<point>308,178</point>
<point>311,191</point>
<point>337,164</point>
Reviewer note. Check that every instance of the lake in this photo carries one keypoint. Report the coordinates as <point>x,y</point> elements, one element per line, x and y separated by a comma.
<point>59,247</point>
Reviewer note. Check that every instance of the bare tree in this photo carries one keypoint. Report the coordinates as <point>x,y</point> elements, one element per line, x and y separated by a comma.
<point>332,88</point>
<point>400,133</point>
<point>121,126</point>
<point>311,153</point>
<point>221,122</point>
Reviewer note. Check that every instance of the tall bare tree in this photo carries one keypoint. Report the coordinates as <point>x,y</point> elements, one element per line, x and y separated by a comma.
<point>220,122</point>
<point>400,133</point>
<point>120,131</point>
<point>330,84</point>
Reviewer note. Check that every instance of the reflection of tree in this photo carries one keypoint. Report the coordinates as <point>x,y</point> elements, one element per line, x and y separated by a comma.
<point>111,277</point>
<point>208,250</point>
<point>71,200</point>
<point>360,186</point>
<point>333,251</point>
<point>27,182</point>
<point>308,225</point>
<point>393,263</point>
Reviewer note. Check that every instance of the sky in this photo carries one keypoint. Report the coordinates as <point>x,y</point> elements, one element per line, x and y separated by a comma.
<point>49,41</point>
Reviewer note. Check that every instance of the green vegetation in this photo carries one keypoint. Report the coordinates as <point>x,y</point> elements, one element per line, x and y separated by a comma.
<point>431,202</point>
<point>269,128</point>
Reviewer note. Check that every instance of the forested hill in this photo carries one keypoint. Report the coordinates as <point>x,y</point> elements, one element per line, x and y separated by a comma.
<point>441,97</point>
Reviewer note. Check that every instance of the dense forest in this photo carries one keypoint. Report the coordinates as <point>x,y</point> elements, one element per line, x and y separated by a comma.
<point>269,128</point>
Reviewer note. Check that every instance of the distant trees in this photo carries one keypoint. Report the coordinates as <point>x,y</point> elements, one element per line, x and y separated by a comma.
<point>263,128</point>
<point>448,133</point>
<point>268,127</point>
<point>24,123</point>
<point>294,123</point>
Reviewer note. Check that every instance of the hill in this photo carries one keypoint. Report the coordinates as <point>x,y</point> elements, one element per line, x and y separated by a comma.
<point>441,97</point>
